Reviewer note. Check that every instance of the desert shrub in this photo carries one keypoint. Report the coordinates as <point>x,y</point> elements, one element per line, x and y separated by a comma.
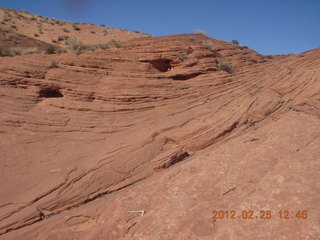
<point>13,38</point>
<point>54,41</point>
<point>15,52</point>
<point>93,32</point>
<point>20,17</point>
<point>181,56</point>
<point>105,32</point>
<point>115,43</point>
<point>225,66</point>
<point>30,50</point>
<point>78,46</point>
<point>10,51</point>
<point>200,32</point>
<point>61,50</point>
<point>208,45</point>
<point>75,27</point>
<point>103,45</point>
<point>50,50</point>
<point>65,30</point>
<point>45,20</point>
<point>36,35</point>
<point>191,38</point>
<point>3,51</point>
<point>53,64</point>
<point>61,38</point>
<point>136,31</point>
<point>33,18</point>
<point>13,26</point>
<point>235,42</point>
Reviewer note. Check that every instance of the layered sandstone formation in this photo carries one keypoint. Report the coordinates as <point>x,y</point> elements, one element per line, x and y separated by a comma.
<point>159,125</point>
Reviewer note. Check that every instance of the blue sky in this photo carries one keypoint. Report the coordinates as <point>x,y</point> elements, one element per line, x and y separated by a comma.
<point>267,26</point>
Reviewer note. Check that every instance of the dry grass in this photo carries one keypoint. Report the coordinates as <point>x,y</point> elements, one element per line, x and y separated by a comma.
<point>182,56</point>
<point>201,32</point>
<point>16,51</point>
<point>115,43</point>
<point>50,49</point>
<point>235,42</point>
<point>207,44</point>
<point>53,64</point>
<point>31,50</point>
<point>75,27</point>
<point>10,52</point>
<point>225,66</point>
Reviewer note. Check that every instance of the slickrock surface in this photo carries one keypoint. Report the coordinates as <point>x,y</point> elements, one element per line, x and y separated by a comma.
<point>157,125</point>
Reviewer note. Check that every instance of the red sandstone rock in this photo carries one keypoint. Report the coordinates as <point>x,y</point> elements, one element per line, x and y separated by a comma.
<point>82,143</point>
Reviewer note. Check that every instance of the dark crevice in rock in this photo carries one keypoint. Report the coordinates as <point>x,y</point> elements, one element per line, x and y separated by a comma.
<point>50,93</point>
<point>175,159</point>
<point>185,76</point>
<point>163,65</point>
<point>228,130</point>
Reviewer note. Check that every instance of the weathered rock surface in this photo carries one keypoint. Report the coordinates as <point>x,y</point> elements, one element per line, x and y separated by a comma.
<point>157,126</point>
